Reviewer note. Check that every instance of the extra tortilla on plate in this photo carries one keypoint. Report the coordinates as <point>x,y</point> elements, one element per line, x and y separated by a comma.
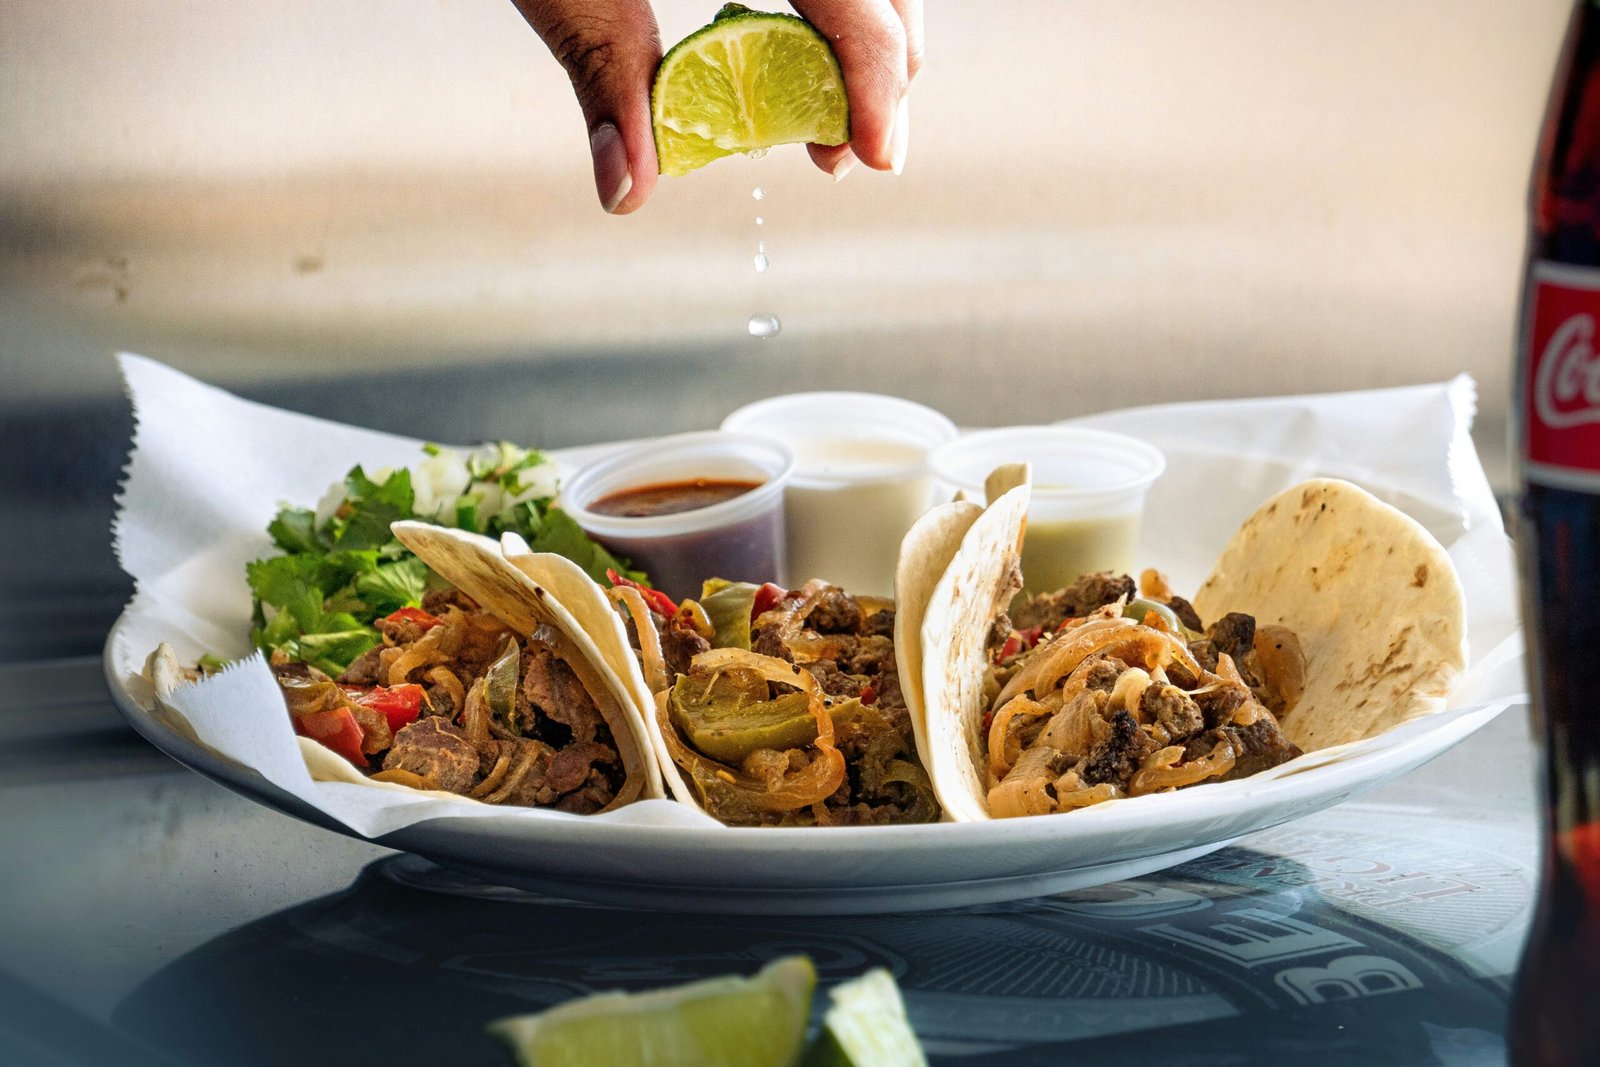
<point>1372,596</point>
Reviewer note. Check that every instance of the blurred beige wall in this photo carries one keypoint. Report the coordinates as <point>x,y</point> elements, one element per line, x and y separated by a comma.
<point>1106,201</point>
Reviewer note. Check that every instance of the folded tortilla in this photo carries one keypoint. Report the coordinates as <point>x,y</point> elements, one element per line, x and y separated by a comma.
<point>588,602</point>
<point>476,565</point>
<point>975,588</point>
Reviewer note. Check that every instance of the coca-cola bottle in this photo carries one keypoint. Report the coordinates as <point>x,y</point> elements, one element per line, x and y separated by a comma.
<point>1556,1007</point>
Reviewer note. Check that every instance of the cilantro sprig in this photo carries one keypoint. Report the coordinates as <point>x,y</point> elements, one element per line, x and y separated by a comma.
<point>317,602</point>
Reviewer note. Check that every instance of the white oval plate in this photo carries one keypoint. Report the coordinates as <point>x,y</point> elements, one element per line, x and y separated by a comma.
<point>848,869</point>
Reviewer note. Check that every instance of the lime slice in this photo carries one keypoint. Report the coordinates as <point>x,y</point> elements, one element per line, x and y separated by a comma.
<point>748,81</point>
<point>733,1021</point>
<point>866,1026</point>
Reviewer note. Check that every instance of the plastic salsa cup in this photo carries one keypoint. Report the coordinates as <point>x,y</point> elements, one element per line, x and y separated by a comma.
<point>1088,495</point>
<point>740,538</point>
<point>861,479</point>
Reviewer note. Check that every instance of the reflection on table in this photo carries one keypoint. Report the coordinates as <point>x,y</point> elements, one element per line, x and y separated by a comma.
<point>1242,955</point>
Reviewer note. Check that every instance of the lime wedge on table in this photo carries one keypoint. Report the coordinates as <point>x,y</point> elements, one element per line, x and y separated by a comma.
<point>866,1026</point>
<point>748,81</point>
<point>731,1021</point>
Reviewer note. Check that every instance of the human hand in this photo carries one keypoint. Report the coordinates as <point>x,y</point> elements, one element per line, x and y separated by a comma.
<point>610,49</point>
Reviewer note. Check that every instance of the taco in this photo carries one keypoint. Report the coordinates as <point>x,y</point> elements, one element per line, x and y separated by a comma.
<point>490,690</point>
<point>766,706</point>
<point>1329,617</point>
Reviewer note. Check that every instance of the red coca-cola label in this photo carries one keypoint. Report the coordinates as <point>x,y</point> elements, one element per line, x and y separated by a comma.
<point>1561,390</point>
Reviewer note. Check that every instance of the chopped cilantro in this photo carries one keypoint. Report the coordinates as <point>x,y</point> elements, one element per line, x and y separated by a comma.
<point>318,601</point>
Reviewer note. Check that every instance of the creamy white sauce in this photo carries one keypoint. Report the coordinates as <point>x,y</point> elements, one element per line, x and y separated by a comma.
<point>848,509</point>
<point>847,457</point>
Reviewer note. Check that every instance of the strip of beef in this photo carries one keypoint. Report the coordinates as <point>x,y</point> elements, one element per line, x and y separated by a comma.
<point>439,601</point>
<point>1233,634</point>
<point>1102,675</point>
<point>1174,709</point>
<point>835,612</point>
<point>527,766</point>
<point>879,624</point>
<point>679,643</point>
<point>400,631</point>
<point>1218,705</point>
<point>436,750</point>
<point>570,768</point>
<point>1257,747</point>
<point>767,641</point>
<point>550,687</point>
<point>1050,610</point>
<point>835,682</point>
<point>363,670</point>
<point>590,797</point>
<point>442,700</point>
<point>1186,614</point>
<point>867,655</point>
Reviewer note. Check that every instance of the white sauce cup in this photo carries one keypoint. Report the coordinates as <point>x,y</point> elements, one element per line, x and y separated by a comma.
<point>1088,496</point>
<point>861,479</point>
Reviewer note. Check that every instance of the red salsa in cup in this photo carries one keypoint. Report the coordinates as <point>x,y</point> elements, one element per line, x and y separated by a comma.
<point>669,498</point>
<point>689,507</point>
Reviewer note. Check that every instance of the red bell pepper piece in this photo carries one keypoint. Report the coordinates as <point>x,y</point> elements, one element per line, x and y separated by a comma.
<point>655,599</point>
<point>869,696</point>
<point>416,615</point>
<point>337,730</point>
<point>1018,641</point>
<point>400,704</point>
<point>766,599</point>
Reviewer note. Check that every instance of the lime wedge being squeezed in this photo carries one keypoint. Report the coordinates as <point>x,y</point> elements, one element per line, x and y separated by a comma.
<point>747,82</point>
<point>759,1021</point>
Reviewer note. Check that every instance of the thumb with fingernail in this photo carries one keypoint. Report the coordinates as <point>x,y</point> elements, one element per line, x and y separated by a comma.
<point>609,49</point>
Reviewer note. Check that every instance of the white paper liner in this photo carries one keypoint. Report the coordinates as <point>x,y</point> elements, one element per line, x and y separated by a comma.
<point>209,470</point>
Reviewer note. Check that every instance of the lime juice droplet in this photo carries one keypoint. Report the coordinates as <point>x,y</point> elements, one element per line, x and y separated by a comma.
<point>761,257</point>
<point>759,193</point>
<point>765,325</point>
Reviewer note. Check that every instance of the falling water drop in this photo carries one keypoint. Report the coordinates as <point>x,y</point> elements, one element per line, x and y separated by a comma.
<point>761,257</point>
<point>759,193</point>
<point>765,325</point>
<point>760,221</point>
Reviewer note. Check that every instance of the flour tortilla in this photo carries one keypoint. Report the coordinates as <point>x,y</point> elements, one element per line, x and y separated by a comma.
<point>976,586</point>
<point>925,554</point>
<point>475,565</point>
<point>1372,596</point>
<point>590,605</point>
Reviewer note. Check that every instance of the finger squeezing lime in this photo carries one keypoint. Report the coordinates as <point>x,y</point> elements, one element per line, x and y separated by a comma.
<point>748,81</point>
<point>731,1021</point>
